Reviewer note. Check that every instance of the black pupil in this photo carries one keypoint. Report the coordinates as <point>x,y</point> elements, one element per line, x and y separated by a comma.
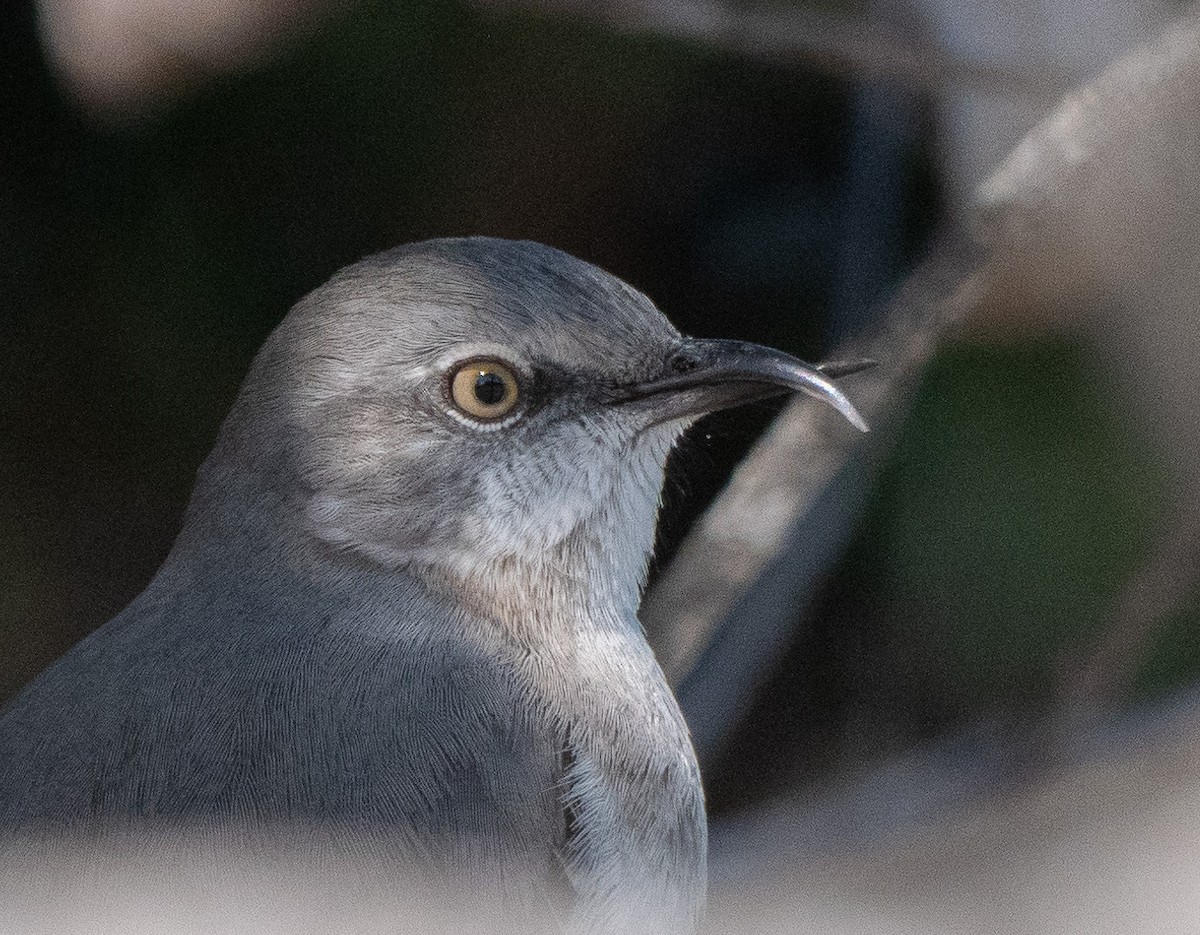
<point>489,389</point>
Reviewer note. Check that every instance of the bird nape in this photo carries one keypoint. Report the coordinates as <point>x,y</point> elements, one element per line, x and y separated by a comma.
<point>400,621</point>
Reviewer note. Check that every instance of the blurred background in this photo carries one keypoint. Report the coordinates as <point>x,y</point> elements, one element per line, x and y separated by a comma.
<point>1011,584</point>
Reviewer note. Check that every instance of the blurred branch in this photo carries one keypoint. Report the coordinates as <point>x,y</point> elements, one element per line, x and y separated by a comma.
<point>790,469</point>
<point>1106,190</point>
<point>841,46</point>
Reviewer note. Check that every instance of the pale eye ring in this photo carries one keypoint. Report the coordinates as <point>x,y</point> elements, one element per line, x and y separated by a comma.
<point>484,389</point>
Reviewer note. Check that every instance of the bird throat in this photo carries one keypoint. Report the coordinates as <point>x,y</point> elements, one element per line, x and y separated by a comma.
<point>536,598</point>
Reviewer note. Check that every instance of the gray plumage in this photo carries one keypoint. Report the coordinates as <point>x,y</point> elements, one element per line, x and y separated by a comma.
<point>414,631</point>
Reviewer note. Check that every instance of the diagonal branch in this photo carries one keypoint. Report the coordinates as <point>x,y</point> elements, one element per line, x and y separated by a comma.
<point>776,487</point>
<point>851,48</point>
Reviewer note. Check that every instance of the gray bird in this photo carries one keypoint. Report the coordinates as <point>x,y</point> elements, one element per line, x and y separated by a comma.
<point>403,605</point>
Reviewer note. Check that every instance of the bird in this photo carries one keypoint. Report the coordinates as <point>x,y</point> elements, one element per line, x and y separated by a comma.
<point>402,607</point>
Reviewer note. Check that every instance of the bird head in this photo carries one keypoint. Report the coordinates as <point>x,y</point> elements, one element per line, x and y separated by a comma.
<point>479,410</point>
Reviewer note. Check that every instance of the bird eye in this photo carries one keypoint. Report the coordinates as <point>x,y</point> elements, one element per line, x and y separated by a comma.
<point>485,390</point>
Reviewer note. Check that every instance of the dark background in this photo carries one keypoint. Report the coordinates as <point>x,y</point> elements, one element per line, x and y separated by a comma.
<point>143,263</point>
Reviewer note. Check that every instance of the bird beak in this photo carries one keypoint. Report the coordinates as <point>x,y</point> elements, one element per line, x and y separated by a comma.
<point>704,376</point>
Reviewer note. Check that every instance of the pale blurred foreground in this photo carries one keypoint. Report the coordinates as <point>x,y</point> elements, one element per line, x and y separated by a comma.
<point>1107,845</point>
<point>203,882</point>
<point>959,837</point>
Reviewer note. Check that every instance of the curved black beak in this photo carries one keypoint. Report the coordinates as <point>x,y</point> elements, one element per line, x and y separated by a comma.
<point>704,376</point>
